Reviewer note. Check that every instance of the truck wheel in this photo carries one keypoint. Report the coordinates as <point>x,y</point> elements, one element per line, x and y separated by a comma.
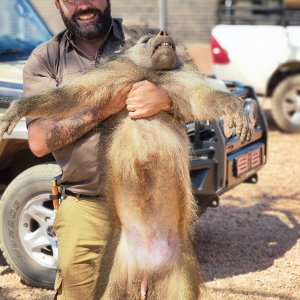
<point>286,104</point>
<point>26,216</point>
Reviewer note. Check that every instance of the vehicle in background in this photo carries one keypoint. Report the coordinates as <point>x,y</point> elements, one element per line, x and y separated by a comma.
<point>26,213</point>
<point>266,56</point>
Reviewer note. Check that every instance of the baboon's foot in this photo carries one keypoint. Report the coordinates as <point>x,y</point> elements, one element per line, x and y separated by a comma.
<point>7,124</point>
<point>242,123</point>
<point>10,119</point>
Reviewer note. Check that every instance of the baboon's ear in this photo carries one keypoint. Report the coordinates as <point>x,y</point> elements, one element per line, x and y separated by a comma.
<point>182,53</point>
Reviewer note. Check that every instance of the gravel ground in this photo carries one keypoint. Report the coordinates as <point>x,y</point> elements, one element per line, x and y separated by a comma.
<point>248,247</point>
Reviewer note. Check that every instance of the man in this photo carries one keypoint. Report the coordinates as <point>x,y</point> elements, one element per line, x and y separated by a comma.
<point>81,223</point>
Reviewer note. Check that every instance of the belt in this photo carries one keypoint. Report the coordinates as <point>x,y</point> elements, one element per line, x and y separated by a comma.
<point>78,195</point>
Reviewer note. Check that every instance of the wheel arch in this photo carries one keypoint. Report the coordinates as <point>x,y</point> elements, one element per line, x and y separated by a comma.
<point>16,157</point>
<point>283,71</point>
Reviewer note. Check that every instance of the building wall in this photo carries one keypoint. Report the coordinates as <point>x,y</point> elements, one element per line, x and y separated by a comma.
<point>188,20</point>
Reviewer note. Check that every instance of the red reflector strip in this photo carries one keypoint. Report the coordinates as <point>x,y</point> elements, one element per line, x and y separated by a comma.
<point>256,158</point>
<point>242,165</point>
<point>248,161</point>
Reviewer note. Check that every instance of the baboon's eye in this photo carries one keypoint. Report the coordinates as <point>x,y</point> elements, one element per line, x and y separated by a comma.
<point>145,39</point>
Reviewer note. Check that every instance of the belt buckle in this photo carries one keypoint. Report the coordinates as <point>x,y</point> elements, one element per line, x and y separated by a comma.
<point>63,193</point>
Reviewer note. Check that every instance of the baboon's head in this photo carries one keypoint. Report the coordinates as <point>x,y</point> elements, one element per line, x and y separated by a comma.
<point>156,52</point>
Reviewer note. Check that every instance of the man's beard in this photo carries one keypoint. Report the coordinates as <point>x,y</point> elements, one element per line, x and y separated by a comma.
<point>96,30</point>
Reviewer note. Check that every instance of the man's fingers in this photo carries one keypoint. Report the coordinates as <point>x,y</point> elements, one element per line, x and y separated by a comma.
<point>133,106</point>
<point>138,84</point>
<point>132,101</point>
<point>140,87</point>
<point>137,114</point>
<point>124,91</point>
<point>134,115</point>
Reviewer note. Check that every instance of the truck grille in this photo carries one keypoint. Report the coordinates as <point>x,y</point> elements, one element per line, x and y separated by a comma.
<point>248,161</point>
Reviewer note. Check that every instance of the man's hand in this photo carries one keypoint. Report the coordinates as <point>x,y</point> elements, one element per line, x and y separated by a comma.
<point>115,104</point>
<point>146,99</point>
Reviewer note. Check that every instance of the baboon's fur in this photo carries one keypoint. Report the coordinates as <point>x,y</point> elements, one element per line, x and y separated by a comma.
<point>149,253</point>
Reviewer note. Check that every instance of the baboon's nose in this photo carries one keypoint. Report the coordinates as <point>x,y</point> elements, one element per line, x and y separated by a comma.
<point>162,33</point>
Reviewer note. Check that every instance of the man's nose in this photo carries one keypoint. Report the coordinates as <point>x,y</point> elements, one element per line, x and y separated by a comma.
<point>81,3</point>
<point>84,4</point>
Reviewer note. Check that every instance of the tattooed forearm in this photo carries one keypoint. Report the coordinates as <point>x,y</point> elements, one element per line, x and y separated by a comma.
<point>66,131</point>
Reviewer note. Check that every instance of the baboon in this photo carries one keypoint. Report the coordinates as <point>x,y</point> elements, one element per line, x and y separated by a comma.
<point>149,254</point>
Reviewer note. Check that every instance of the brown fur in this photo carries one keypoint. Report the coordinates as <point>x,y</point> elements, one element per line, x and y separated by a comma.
<point>149,254</point>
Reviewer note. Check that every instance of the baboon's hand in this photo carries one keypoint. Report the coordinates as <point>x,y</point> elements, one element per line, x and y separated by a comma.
<point>242,123</point>
<point>9,119</point>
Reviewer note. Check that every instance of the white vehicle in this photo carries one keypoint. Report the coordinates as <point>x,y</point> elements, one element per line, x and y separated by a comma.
<point>26,213</point>
<point>266,57</point>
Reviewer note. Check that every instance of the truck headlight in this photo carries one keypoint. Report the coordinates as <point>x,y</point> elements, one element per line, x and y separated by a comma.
<point>252,109</point>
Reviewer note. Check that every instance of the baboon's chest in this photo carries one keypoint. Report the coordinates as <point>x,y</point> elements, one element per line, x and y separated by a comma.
<point>149,138</point>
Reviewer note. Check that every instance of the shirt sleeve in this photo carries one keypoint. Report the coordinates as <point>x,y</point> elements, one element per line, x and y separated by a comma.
<point>37,78</point>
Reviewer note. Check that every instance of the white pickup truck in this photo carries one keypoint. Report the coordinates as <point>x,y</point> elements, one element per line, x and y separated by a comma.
<point>267,57</point>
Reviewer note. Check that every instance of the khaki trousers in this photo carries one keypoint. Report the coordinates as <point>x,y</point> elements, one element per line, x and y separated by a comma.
<point>81,228</point>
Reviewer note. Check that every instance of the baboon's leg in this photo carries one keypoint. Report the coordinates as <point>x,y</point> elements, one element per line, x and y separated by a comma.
<point>183,282</point>
<point>197,97</point>
<point>211,104</point>
<point>108,267</point>
<point>120,277</point>
<point>114,273</point>
<point>188,278</point>
<point>116,270</point>
<point>207,103</point>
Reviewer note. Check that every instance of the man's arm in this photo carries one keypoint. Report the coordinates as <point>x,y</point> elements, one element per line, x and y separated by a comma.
<point>47,135</point>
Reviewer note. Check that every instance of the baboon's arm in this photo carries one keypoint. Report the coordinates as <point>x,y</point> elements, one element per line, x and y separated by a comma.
<point>197,97</point>
<point>93,89</point>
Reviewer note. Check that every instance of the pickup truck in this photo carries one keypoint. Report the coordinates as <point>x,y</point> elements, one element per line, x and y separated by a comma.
<point>218,159</point>
<point>259,45</point>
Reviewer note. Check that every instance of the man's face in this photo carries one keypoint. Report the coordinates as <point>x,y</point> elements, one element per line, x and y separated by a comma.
<point>85,19</point>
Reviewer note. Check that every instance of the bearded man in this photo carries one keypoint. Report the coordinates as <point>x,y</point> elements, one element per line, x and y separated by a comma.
<point>81,221</point>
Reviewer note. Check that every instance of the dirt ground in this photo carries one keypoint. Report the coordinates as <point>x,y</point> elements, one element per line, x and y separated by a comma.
<point>248,247</point>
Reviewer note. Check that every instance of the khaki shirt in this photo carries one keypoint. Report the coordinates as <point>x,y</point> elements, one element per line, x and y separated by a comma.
<point>59,61</point>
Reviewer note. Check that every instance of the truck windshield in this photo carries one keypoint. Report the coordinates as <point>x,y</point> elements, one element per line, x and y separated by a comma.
<point>21,30</point>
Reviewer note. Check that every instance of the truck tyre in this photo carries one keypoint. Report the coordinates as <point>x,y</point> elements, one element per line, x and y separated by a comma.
<point>286,104</point>
<point>27,240</point>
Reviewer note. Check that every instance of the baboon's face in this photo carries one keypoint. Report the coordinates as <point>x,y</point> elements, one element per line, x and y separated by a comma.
<point>157,52</point>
